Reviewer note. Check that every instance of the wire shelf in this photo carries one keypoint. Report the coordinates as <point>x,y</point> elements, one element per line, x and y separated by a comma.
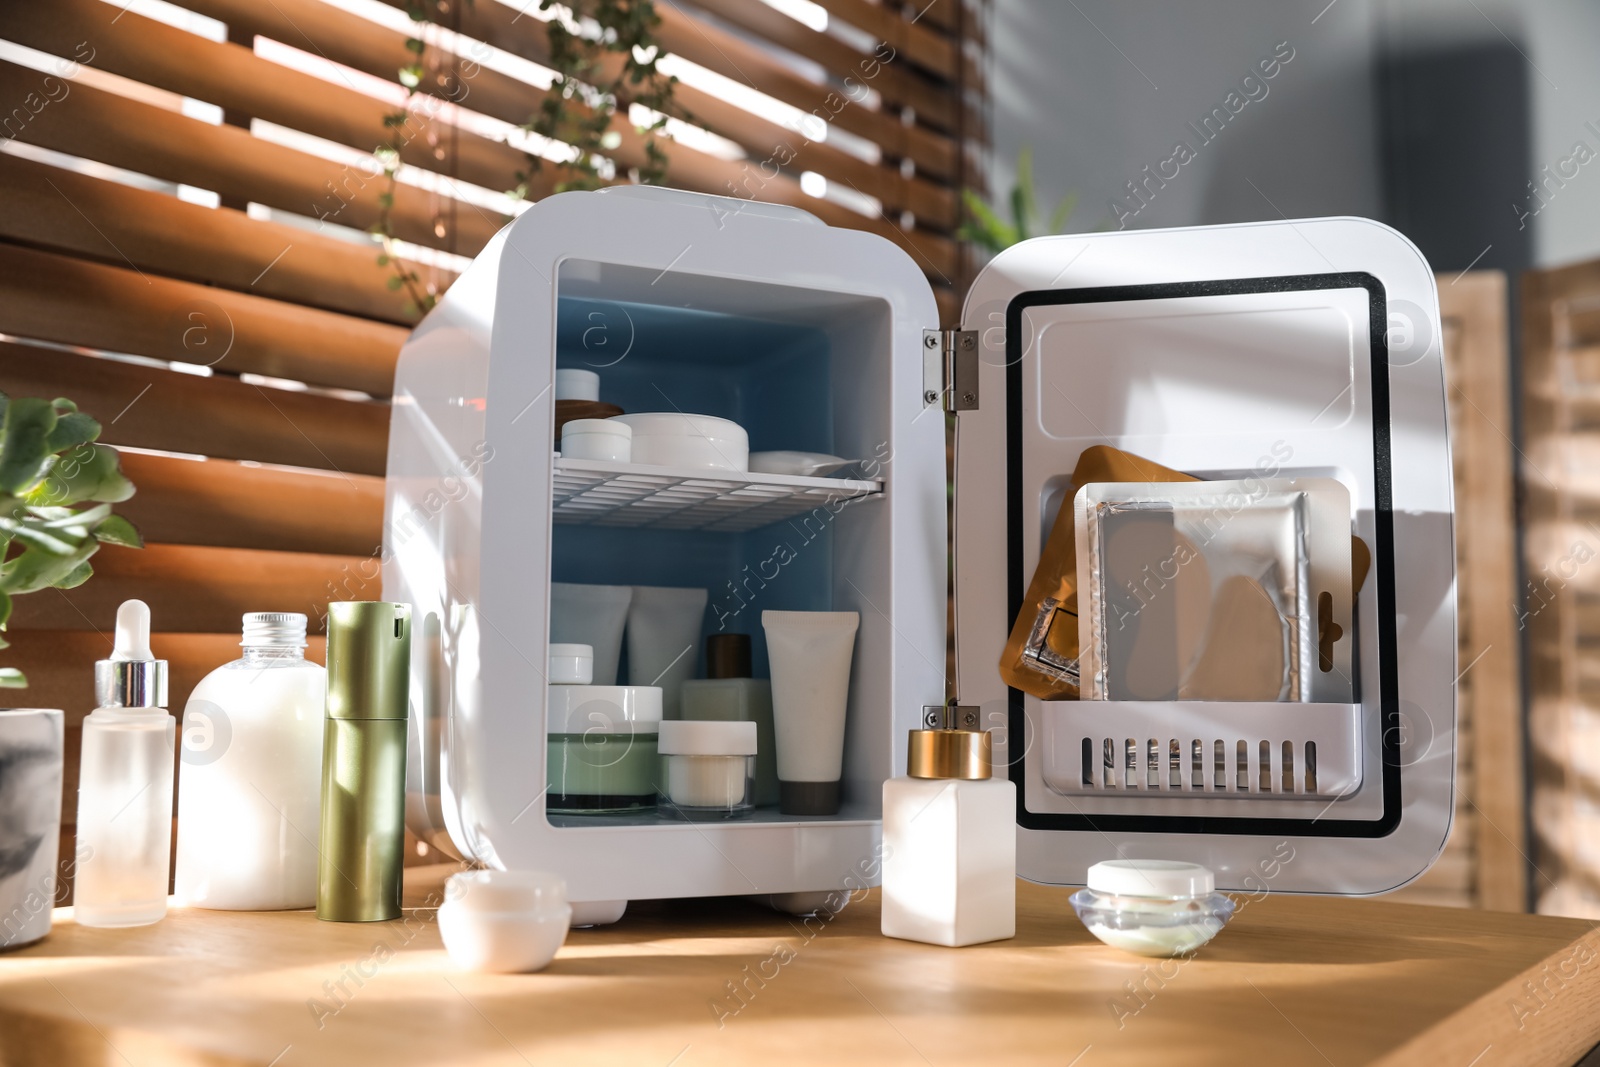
<point>597,493</point>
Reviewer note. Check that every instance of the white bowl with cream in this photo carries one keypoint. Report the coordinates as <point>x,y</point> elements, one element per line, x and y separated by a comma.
<point>504,922</point>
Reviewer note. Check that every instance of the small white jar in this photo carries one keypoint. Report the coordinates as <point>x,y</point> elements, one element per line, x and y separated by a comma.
<point>1152,907</point>
<point>707,768</point>
<point>504,922</point>
<point>674,439</point>
<point>571,665</point>
<point>602,439</point>
<point>573,383</point>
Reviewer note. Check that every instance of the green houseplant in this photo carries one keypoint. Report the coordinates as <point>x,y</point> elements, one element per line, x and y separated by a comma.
<point>985,227</point>
<point>56,490</point>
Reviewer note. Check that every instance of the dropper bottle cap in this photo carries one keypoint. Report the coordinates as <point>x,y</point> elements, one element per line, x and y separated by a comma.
<point>132,677</point>
<point>950,745</point>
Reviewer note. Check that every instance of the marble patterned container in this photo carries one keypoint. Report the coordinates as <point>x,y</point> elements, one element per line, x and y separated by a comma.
<point>30,821</point>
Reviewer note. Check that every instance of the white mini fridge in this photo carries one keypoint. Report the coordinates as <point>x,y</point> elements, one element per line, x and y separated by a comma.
<point>1312,344</point>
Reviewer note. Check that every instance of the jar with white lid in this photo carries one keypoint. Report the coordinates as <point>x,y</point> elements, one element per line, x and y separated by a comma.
<point>600,439</point>
<point>707,768</point>
<point>677,439</point>
<point>1152,907</point>
<point>602,748</point>
<point>571,664</point>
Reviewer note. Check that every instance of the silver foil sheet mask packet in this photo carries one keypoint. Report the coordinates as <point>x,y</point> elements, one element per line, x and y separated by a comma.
<point>1226,590</point>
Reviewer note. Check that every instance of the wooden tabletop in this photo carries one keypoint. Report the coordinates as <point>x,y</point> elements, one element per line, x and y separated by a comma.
<point>1292,980</point>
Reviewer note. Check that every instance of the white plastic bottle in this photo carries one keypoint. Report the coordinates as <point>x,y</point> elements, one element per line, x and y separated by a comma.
<point>249,784</point>
<point>949,843</point>
<point>125,784</point>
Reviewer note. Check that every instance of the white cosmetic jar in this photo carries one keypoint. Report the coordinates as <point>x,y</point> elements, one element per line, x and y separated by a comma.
<point>673,439</point>
<point>707,768</point>
<point>1152,907</point>
<point>571,664</point>
<point>603,439</point>
<point>504,922</point>
<point>573,383</point>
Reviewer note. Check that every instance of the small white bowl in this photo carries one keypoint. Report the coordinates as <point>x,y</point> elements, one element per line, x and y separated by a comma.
<point>573,383</point>
<point>504,922</point>
<point>674,439</point>
<point>804,464</point>
<point>601,439</point>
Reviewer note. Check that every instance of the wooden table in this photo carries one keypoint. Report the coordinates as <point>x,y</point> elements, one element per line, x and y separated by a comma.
<point>1292,980</point>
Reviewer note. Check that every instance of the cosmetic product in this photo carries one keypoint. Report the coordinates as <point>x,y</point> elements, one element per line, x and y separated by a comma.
<point>664,627</point>
<point>674,439</point>
<point>601,439</point>
<point>602,748</point>
<point>249,774</point>
<point>30,821</point>
<point>364,761</point>
<point>592,615</point>
<point>571,665</point>
<point>801,464</point>
<point>728,694</point>
<point>810,653</point>
<point>1152,907</point>
<point>573,410</point>
<point>949,841</point>
<point>707,768</point>
<point>1233,590</point>
<point>125,784</point>
<point>504,922</point>
<point>575,383</point>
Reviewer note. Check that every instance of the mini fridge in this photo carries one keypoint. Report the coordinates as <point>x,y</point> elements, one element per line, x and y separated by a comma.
<point>1306,348</point>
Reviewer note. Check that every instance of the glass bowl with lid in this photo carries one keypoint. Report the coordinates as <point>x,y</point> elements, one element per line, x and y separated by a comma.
<point>1152,907</point>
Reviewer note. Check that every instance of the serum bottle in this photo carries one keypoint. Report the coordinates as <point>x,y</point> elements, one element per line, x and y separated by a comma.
<point>950,840</point>
<point>125,784</point>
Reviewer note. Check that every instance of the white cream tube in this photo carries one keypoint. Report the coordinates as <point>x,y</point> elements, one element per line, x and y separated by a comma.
<point>591,615</point>
<point>664,627</point>
<point>809,652</point>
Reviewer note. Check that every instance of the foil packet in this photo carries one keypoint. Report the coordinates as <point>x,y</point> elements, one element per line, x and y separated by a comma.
<point>1235,590</point>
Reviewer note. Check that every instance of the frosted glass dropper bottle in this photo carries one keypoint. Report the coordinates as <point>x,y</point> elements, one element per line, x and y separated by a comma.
<point>125,784</point>
<point>249,782</point>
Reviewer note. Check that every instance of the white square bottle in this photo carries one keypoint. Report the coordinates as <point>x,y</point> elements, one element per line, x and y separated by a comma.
<point>950,843</point>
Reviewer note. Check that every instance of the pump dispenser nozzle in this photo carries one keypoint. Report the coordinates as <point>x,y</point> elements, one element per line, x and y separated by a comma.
<point>132,677</point>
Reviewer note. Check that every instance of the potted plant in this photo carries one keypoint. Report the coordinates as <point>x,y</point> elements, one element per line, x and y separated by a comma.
<point>56,490</point>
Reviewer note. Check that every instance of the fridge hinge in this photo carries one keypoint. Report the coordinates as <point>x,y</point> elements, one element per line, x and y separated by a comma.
<point>950,717</point>
<point>950,369</point>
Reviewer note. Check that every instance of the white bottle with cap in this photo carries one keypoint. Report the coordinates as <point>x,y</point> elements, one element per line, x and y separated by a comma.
<point>249,784</point>
<point>949,841</point>
<point>125,784</point>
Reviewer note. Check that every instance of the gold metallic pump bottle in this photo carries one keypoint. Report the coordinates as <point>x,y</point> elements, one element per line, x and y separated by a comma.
<point>364,761</point>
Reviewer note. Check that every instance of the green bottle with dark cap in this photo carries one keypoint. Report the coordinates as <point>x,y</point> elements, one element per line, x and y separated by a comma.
<point>364,761</point>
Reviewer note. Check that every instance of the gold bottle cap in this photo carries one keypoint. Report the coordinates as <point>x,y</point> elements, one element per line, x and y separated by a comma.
<point>962,754</point>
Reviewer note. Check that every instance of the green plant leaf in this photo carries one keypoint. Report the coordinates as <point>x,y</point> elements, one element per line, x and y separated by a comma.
<point>66,518</point>
<point>11,678</point>
<point>1063,211</point>
<point>986,229</point>
<point>87,472</point>
<point>116,530</point>
<point>34,570</point>
<point>76,576</point>
<point>72,428</point>
<point>33,535</point>
<point>5,612</point>
<point>1022,197</point>
<point>24,440</point>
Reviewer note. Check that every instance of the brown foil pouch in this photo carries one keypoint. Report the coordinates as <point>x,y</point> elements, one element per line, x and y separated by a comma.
<point>1041,655</point>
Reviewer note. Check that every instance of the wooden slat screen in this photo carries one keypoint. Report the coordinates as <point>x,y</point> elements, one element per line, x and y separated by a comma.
<point>183,247</point>
<point>1560,601</point>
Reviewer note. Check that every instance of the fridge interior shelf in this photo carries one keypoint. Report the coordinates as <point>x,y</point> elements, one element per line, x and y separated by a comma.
<point>600,493</point>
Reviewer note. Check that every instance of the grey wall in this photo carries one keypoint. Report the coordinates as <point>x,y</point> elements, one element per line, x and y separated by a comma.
<point>1102,88</point>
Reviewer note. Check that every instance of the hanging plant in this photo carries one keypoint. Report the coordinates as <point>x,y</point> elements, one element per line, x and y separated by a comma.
<point>604,54</point>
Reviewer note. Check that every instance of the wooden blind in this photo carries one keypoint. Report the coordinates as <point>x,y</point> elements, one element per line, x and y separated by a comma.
<point>1560,602</point>
<point>1484,863</point>
<point>182,247</point>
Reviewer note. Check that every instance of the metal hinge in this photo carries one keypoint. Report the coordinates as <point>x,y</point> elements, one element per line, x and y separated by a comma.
<point>949,717</point>
<point>950,369</point>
